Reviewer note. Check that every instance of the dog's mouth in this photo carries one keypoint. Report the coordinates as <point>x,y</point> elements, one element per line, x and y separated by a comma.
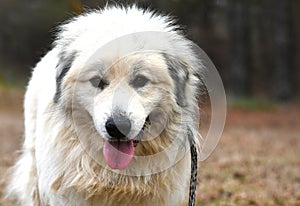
<point>118,154</point>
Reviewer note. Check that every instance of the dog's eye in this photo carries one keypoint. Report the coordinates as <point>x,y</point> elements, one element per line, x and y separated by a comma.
<point>139,81</point>
<point>98,82</point>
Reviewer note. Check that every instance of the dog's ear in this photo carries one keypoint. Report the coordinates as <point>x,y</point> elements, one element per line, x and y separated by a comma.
<point>63,66</point>
<point>180,74</point>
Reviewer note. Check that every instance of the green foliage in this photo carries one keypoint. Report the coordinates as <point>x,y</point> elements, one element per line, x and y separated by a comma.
<point>3,83</point>
<point>253,104</point>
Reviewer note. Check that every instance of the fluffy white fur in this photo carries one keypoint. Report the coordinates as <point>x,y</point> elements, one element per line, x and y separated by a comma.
<point>55,169</point>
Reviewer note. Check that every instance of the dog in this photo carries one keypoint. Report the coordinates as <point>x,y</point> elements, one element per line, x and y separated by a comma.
<point>107,114</point>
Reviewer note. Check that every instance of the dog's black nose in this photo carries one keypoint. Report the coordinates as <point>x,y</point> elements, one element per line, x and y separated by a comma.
<point>118,127</point>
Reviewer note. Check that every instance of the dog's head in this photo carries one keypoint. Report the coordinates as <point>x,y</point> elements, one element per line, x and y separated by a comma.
<point>138,87</point>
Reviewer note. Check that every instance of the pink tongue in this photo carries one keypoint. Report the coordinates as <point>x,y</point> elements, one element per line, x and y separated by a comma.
<point>118,154</point>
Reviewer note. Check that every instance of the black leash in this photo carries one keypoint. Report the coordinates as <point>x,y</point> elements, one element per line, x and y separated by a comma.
<point>194,162</point>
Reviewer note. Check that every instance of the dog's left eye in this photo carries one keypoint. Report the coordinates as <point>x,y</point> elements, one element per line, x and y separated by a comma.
<point>139,81</point>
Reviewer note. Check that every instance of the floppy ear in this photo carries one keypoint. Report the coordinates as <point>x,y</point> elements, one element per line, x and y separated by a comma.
<point>63,66</point>
<point>180,74</point>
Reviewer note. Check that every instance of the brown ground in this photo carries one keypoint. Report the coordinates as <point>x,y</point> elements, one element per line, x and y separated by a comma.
<point>257,161</point>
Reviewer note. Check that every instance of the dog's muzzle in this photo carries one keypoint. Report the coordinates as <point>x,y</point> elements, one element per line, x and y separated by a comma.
<point>118,151</point>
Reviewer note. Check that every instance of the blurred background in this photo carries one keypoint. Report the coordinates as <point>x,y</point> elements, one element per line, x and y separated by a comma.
<point>255,45</point>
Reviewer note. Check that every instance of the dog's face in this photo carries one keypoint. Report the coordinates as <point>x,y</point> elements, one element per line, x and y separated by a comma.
<point>121,98</point>
<point>127,93</point>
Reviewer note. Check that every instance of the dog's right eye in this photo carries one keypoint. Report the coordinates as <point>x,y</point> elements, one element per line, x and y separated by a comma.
<point>140,81</point>
<point>98,82</point>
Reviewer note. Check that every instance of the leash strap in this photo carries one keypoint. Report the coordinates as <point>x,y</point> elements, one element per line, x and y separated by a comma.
<point>194,162</point>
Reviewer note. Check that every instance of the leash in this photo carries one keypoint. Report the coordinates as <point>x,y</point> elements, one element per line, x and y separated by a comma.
<point>194,162</point>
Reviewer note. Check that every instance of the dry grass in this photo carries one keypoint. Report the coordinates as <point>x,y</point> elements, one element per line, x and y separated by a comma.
<point>257,161</point>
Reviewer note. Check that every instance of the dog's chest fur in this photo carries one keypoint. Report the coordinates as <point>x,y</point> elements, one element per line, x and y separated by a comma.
<point>166,188</point>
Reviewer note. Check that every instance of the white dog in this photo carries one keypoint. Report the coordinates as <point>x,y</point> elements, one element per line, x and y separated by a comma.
<point>107,114</point>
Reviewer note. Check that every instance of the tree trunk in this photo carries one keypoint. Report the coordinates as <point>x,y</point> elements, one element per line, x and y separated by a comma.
<point>282,55</point>
<point>238,27</point>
